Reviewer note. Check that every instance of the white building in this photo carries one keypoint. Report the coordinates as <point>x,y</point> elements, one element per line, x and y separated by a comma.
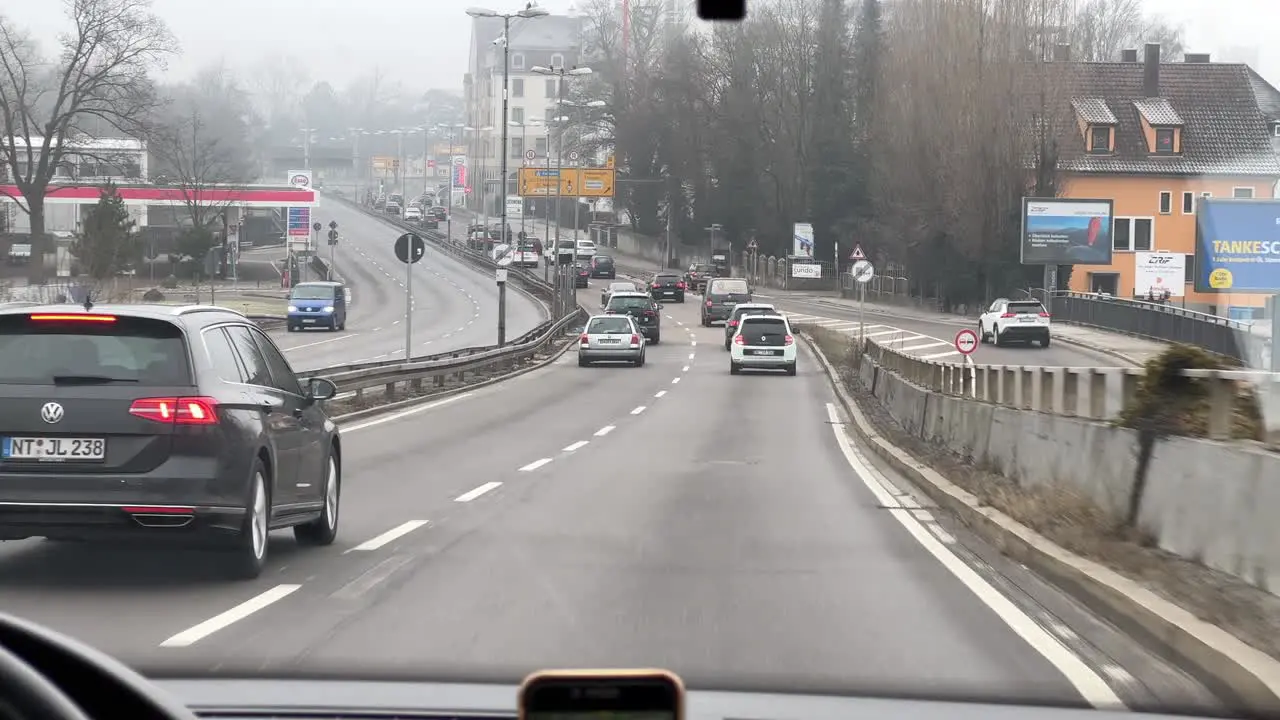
<point>87,161</point>
<point>550,41</point>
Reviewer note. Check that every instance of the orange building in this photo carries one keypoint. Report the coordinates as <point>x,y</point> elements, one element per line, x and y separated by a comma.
<point>1154,138</point>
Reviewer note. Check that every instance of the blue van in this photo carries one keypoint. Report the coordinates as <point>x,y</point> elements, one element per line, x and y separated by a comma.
<point>318,304</point>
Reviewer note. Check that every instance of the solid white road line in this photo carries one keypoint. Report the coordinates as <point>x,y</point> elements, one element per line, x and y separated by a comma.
<point>396,532</point>
<point>535,465</point>
<point>1088,683</point>
<point>473,494</point>
<point>605,430</point>
<point>320,342</point>
<point>404,414</point>
<point>196,633</point>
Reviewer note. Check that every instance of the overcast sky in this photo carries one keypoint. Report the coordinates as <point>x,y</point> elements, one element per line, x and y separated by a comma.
<point>424,43</point>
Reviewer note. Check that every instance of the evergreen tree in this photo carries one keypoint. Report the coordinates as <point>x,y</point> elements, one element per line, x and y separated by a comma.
<point>107,243</point>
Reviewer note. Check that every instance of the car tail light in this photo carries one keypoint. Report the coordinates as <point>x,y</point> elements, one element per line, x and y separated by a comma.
<point>177,410</point>
<point>788,340</point>
<point>733,323</point>
<point>635,339</point>
<point>74,317</point>
<point>584,340</point>
<point>708,303</point>
<point>650,313</point>
<point>1044,314</point>
<point>1006,315</point>
<point>738,340</point>
<point>680,285</point>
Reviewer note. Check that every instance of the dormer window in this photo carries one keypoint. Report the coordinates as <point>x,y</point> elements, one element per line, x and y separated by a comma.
<point>1099,139</point>
<point>1164,141</point>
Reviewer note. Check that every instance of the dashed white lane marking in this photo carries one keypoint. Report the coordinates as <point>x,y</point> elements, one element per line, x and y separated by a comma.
<point>693,343</point>
<point>684,369</point>
<point>660,393</point>
<point>535,465</point>
<point>389,536</point>
<point>605,430</point>
<point>574,446</point>
<point>477,492</point>
<point>675,381</point>
<point>638,410</point>
<point>1088,683</point>
<point>691,355</point>
<point>198,632</point>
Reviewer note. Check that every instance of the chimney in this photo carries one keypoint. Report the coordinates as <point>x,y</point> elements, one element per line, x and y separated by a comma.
<point>1129,56</point>
<point>1195,58</point>
<point>1151,71</point>
<point>1062,52</point>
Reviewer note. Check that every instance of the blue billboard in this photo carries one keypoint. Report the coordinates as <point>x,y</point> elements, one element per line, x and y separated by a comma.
<point>1237,245</point>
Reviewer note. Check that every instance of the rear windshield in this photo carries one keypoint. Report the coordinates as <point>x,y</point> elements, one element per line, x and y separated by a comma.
<point>136,351</point>
<point>725,287</point>
<point>606,326</point>
<point>704,268</point>
<point>604,260</point>
<point>740,311</point>
<point>629,303</point>
<point>1025,307</point>
<point>312,292</point>
<point>666,277</point>
<point>770,329</point>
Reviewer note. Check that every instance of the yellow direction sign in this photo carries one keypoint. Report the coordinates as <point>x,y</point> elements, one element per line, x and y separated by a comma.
<point>574,182</point>
<point>595,182</point>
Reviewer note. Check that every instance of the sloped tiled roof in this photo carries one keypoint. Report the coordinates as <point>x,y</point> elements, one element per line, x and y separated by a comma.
<point>1157,111</point>
<point>1094,110</point>
<point>1224,132</point>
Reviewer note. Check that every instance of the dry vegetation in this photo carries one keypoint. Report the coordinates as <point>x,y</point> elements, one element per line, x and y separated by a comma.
<point>1073,522</point>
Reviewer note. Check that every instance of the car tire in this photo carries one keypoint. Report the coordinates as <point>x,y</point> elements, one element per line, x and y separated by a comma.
<point>657,339</point>
<point>791,369</point>
<point>324,529</point>
<point>982,334</point>
<point>1044,342</point>
<point>583,362</point>
<point>727,344</point>
<point>733,368</point>
<point>249,552</point>
<point>995,336</point>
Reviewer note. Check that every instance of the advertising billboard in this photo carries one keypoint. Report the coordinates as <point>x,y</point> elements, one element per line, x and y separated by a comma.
<point>803,240</point>
<point>1066,231</point>
<point>1237,245</point>
<point>1157,272</point>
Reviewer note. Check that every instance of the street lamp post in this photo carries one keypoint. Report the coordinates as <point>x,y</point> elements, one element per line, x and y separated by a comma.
<point>448,216</point>
<point>529,12</point>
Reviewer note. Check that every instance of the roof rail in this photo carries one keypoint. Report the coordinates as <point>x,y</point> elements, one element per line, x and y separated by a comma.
<point>193,309</point>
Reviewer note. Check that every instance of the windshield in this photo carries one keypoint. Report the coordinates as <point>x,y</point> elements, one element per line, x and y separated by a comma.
<point>1016,437</point>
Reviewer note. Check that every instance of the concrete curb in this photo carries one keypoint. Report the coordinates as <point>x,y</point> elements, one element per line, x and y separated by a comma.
<point>1212,653</point>
<point>403,404</point>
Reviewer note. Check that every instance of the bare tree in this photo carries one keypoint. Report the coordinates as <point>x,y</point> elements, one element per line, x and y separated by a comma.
<point>101,74</point>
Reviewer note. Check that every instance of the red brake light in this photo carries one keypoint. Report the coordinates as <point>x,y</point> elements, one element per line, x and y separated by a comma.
<point>1007,315</point>
<point>733,323</point>
<point>1044,314</point>
<point>635,339</point>
<point>680,285</point>
<point>788,340</point>
<point>584,340</point>
<point>177,410</point>
<point>74,317</point>
<point>708,303</point>
<point>738,340</point>
<point>649,313</point>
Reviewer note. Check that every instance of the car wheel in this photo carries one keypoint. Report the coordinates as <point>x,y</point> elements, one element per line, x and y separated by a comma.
<point>733,368</point>
<point>982,334</point>
<point>1044,342</point>
<point>343,325</point>
<point>583,362</point>
<point>791,369</point>
<point>249,553</point>
<point>995,335</point>
<point>657,339</point>
<point>291,328</point>
<point>324,529</point>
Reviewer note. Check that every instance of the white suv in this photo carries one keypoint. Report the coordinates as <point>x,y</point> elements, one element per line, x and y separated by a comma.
<point>1014,321</point>
<point>764,342</point>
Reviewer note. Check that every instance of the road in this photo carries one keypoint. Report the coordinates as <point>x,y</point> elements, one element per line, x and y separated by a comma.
<point>672,515</point>
<point>454,305</point>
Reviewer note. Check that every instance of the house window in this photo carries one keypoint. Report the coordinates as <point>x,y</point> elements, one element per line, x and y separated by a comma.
<point>1166,202</point>
<point>557,60</point>
<point>1132,234</point>
<point>1242,192</point>
<point>550,114</point>
<point>1099,139</point>
<point>551,88</point>
<point>540,145</point>
<point>517,114</point>
<point>517,87</point>
<point>1189,274</point>
<point>1275,129</point>
<point>1164,141</point>
<point>517,61</point>
<point>1188,203</point>
<point>517,147</point>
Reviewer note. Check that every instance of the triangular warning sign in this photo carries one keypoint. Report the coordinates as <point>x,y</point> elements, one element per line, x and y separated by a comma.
<point>857,253</point>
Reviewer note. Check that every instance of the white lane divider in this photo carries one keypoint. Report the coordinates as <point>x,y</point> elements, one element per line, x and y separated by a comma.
<point>535,465</point>
<point>405,413</point>
<point>389,536</point>
<point>675,381</point>
<point>320,342</point>
<point>473,494</point>
<point>605,430</point>
<point>1088,683</point>
<point>684,369</point>
<point>638,410</point>
<point>691,355</point>
<point>575,446</point>
<point>660,393</point>
<point>196,633</point>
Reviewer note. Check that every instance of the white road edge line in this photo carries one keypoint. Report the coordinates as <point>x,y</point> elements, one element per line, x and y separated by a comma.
<point>198,632</point>
<point>394,533</point>
<point>605,430</point>
<point>535,465</point>
<point>1088,683</point>
<point>575,446</point>
<point>320,342</point>
<point>638,410</point>
<point>404,414</point>
<point>477,492</point>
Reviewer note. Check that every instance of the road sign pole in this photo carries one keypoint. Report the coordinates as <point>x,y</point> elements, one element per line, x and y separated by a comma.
<point>502,308</point>
<point>331,247</point>
<point>408,309</point>
<point>862,317</point>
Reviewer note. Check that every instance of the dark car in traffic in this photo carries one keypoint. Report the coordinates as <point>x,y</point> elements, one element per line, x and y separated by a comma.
<point>602,267</point>
<point>721,297</point>
<point>698,275</point>
<point>642,308</point>
<point>439,212</point>
<point>182,425</point>
<point>581,275</point>
<point>667,286</point>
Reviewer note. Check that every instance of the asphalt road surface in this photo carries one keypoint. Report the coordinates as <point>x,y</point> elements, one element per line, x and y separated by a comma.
<point>454,305</point>
<point>671,515</point>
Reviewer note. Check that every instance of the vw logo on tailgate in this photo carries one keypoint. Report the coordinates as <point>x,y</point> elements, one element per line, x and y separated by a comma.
<point>51,412</point>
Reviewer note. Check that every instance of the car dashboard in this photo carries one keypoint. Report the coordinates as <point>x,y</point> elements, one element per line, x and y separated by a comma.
<point>263,699</point>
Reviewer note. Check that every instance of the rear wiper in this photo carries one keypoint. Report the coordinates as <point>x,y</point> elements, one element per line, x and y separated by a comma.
<point>89,379</point>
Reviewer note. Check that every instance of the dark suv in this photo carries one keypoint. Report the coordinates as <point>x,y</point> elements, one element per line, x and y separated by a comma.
<point>602,267</point>
<point>175,424</point>
<point>641,307</point>
<point>667,286</point>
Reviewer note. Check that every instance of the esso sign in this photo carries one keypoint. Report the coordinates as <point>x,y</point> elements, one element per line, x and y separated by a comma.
<point>300,179</point>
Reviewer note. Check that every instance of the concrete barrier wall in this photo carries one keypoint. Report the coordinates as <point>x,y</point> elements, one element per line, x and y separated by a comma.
<point>1207,501</point>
